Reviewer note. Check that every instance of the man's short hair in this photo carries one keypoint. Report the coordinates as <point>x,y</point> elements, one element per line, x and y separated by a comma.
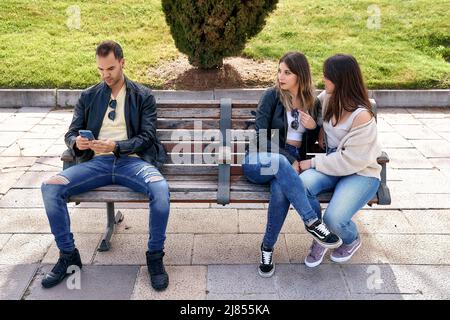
<point>107,46</point>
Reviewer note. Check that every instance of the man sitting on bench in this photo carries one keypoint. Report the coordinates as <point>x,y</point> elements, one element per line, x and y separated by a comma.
<point>113,136</point>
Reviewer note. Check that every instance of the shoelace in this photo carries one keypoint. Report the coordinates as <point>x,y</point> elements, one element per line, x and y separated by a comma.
<point>60,266</point>
<point>266,257</point>
<point>323,229</point>
<point>157,267</point>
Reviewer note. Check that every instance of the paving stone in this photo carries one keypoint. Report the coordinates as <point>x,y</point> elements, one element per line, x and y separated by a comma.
<point>22,198</point>
<point>203,221</point>
<point>441,163</point>
<point>47,164</point>
<point>244,280</point>
<point>45,132</point>
<point>84,220</point>
<point>86,243</point>
<point>416,132</point>
<point>4,239</point>
<point>382,221</point>
<point>254,221</point>
<point>438,125</point>
<point>55,150</point>
<point>372,279</point>
<point>54,122</point>
<point>383,126</point>
<point>300,282</point>
<point>16,162</point>
<point>14,280</point>
<point>242,296</point>
<point>130,249</point>
<point>95,283</point>
<point>28,147</point>
<point>33,180</point>
<point>370,252</point>
<point>429,221</point>
<point>407,158</point>
<point>233,249</point>
<point>429,282</point>
<point>439,149</point>
<point>393,140</point>
<point>6,113</point>
<point>18,124</point>
<point>25,248</point>
<point>9,179</point>
<point>445,135</point>
<point>415,248</point>
<point>398,116</point>
<point>185,283</point>
<point>20,220</point>
<point>404,198</point>
<point>8,138</point>
<point>427,113</point>
<point>33,112</point>
<point>431,180</point>
<point>382,296</point>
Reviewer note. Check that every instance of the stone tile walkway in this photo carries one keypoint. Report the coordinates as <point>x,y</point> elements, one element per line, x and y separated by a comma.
<point>213,251</point>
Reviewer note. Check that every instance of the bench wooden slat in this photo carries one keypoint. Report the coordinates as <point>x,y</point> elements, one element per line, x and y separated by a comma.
<point>209,104</point>
<point>186,196</point>
<point>206,123</point>
<point>179,113</point>
<point>172,169</point>
<point>168,134</point>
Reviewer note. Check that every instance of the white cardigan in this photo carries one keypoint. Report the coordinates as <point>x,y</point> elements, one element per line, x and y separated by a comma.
<point>357,153</point>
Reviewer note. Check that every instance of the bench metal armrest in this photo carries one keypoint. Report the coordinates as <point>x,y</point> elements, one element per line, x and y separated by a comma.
<point>384,196</point>
<point>67,156</point>
<point>383,158</point>
<point>68,159</point>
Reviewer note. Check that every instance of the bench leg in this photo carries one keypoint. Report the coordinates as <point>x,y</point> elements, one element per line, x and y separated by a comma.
<point>113,219</point>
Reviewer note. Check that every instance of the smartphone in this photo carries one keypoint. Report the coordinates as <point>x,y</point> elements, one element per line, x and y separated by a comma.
<point>86,134</point>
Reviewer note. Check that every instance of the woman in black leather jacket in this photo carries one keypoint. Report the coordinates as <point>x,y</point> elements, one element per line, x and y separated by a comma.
<point>286,116</point>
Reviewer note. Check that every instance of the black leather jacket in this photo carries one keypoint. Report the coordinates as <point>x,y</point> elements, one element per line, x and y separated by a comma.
<point>140,118</point>
<point>271,114</point>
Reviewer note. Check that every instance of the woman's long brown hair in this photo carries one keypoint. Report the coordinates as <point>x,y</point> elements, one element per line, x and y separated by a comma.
<point>298,65</point>
<point>350,92</point>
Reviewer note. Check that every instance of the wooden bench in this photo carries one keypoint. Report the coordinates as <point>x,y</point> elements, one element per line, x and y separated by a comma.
<point>220,182</point>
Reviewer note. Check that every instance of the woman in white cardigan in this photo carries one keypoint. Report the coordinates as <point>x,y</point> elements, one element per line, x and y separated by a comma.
<point>349,167</point>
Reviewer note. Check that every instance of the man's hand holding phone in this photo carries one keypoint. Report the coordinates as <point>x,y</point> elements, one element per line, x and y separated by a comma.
<point>103,146</point>
<point>86,140</point>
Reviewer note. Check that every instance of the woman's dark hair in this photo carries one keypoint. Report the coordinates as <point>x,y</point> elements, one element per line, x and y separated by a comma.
<point>350,91</point>
<point>107,46</point>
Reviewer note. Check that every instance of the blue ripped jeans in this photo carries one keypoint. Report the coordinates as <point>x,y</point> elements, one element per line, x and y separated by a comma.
<point>285,188</point>
<point>131,172</point>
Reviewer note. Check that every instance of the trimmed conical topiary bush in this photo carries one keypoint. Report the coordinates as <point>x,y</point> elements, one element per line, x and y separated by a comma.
<point>209,30</point>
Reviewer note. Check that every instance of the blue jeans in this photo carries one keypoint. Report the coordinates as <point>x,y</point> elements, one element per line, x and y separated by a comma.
<point>285,188</point>
<point>131,172</point>
<point>351,193</point>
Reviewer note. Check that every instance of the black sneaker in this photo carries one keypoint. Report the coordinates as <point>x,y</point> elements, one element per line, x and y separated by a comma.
<point>323,236</point>
<point>59,271</point>
<point>266,267</point>
<point>158,275</point>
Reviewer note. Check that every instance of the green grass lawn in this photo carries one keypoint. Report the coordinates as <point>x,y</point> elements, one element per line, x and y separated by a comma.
<point>410,49</point>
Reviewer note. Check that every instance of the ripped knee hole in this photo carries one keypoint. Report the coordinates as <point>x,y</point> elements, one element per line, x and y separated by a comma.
<point>57,180</point>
